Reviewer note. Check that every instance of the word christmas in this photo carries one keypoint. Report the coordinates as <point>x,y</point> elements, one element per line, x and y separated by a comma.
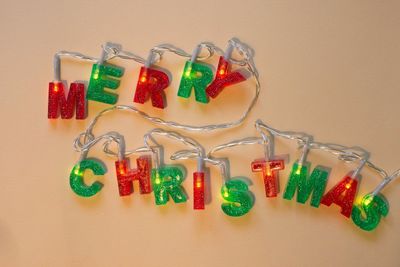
<point>165,181</point>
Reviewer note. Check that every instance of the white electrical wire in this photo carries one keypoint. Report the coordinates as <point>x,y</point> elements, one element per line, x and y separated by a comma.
<point>198,150</point>
<point>113,137</point>
<point>385,182</point>
<point>85,146</point>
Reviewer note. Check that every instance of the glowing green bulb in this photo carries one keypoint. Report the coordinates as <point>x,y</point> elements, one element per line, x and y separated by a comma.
<point>96,74</point>
<point>188,71</point>
<point>299,169</point>
<point>77,170</point>
<point>367,200</point>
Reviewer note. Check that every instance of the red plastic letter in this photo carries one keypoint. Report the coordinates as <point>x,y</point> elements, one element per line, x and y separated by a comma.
<point>198,190</point>
<point>126,176</point>
<point>151,82</point>
<point>223,78</point>
<point>342,194</point>
<point>57,101</point>
<point>270,173</point>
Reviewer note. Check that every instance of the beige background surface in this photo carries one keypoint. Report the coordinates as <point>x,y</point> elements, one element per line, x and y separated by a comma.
<point>329,68</point>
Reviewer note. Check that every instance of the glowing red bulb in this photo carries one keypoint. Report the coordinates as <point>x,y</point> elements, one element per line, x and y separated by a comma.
<point>143,79</point>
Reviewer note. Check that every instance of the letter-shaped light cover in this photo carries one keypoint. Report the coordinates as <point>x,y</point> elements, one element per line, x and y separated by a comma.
<point>367,214</point>
<point>58,102</point>
<point>299,179</point>
<point>223,78</point>
<point>238,199</point>
<point>101,79</point>
<point>77,183</point>
<point>166,183</point>
<point>342,194</point>
<point>198,190</point>
<point>126,176</point>
<point>269,171</point>
<point>197,76</point>
<point>151,83</point>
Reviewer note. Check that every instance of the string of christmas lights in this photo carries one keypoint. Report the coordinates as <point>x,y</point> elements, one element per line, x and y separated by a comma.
<point>165,180</point>
<point>152,82</point>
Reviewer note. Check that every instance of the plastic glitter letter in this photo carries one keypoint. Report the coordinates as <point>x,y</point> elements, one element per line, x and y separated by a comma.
<point>239,200</point>
<point>223,78</point>
<point>76,177</point>
<point>342,194</point>
<point>75,99</point>
<point>299,179</point>
<point>151,82</point>
<point>373,207</point>
<point>196,76</point>
<point>100,79</point>
<point>166,182</point>
<point>126,176</point>
<point>269,171</point>
<point>198,190</point>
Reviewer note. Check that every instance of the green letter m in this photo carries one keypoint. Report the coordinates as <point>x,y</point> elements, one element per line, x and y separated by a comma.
<point>299,178</point>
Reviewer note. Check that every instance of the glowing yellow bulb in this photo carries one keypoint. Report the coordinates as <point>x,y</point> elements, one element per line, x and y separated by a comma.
<point>226,194</point>
<point>348,185</point>
<point>55,88</point>
<point>143,79</point>
<point>188,71</point>
<point>121,170</point>
<point>96,74</point>
<point>198,184</point>
<point>268,170</point>
<point>298,170</point>
<point>77,171</point>
<point>367,201</point>
<point>222,72</point>
<point>158,181</point>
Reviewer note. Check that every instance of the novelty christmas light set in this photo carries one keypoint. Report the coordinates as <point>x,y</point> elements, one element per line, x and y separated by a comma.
<point>165,181</point>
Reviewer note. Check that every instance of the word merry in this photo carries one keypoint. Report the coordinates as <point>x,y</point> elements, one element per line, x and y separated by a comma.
<point>165,183</point>
<point>151,84</point>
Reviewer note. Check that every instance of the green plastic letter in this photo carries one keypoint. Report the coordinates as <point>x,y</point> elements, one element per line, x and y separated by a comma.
<point>373,207</point>
<point>166,182</point>
<point>316,183</point>
<point>198,76</point>
<point>239,200</point>
<point>100,79</point>
<point>76,177</point>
